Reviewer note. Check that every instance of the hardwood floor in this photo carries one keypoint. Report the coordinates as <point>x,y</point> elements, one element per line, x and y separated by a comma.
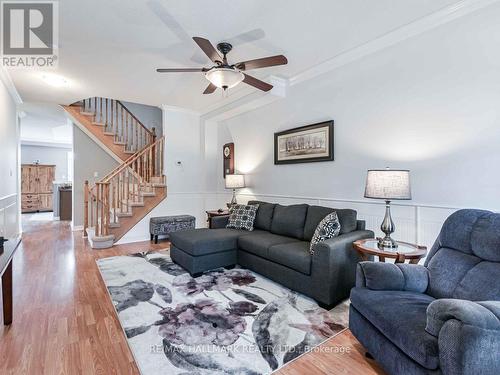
<point>64,322</point>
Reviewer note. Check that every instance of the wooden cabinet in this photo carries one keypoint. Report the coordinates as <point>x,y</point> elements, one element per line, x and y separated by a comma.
<point>36,187</point>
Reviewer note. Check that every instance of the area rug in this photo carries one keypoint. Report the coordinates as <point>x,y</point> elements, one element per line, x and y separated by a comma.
<point>223,322</point>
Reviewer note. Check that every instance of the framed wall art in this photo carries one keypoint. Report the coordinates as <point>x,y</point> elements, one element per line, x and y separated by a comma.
<point>306,144</point>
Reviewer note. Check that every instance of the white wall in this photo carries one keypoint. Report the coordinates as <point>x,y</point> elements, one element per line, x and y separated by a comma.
<point>9,170</point>
<point>88,158</point>
<point>186,187</point>
<point>48,155</point>
<point>430,104</point>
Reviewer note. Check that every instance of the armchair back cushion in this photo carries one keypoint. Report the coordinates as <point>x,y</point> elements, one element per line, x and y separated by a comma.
<point>347,219</point>
<point>289,220</point>
<point>264,216</point>
<point>464,262</point>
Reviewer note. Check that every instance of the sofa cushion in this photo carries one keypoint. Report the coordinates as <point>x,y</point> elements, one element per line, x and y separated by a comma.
<point>294,255</point>
<point>289,220</point>
<point>446,269</point>
<point>206,241</point>
<point>264,216</point>
<point>480,283</point>
<point>347,219</point>
<point>258,242</point>
<point>401,317</point>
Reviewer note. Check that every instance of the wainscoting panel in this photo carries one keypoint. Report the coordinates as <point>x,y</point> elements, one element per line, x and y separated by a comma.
<point>9,216</point>
<point>414,223</point>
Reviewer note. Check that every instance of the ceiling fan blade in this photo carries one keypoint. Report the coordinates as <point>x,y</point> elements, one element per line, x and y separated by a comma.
<point>261,85</point>
<point>208,48</point>
<point>180,70</point>
<point>210,89</point>
<point>262,63</point>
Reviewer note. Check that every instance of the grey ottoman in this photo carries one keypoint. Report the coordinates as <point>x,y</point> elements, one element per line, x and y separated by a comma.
<point>201,250</point>
<point>165,225</point>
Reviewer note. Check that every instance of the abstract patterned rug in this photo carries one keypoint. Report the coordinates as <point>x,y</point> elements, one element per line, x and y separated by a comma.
<point>223,322</point>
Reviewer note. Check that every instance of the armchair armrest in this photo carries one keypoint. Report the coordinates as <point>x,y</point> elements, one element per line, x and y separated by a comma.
<point>389,276</point>
<point>219,222</point>
<point>468,335</point>
<point>480,314</point>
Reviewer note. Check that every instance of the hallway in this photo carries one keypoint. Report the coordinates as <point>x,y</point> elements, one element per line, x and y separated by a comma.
<point>63,320</point>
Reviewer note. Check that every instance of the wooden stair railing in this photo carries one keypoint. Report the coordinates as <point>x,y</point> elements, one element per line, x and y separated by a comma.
<point>126,186</point>
<point>119,122</point>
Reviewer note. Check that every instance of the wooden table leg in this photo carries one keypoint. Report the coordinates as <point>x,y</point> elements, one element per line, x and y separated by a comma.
<point>400,258</point>
<point>414,261</point>
<point>7,294</point>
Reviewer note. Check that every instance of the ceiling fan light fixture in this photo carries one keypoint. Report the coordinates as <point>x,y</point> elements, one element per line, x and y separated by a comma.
<point>224,78</point>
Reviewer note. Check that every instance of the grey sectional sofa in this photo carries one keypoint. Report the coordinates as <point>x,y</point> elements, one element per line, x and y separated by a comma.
<point>441,318</point>
<point>278,248</point>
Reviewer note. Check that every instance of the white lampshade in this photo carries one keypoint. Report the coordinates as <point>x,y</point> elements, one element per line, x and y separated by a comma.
<point>224,77</point>
<point>235,181</point>
<point>388,184</point>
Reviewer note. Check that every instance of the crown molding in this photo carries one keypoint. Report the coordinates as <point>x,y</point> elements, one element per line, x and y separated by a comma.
<point>9,84</point>
<point>420,26</point>
<point>173,108</point>
<point>31,142</point>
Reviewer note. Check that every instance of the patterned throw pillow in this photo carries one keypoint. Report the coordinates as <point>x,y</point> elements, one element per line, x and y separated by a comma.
<point>242,216</point>
<point>327,228</point>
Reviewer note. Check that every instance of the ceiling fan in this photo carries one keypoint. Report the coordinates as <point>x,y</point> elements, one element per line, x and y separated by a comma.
<point>225,76</point>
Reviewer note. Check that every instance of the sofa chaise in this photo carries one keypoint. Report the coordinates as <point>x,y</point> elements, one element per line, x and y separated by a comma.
<point>278,248</point>
<point>439,318</point>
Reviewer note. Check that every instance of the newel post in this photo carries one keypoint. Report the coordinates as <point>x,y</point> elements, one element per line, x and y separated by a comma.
<point>85,207</point>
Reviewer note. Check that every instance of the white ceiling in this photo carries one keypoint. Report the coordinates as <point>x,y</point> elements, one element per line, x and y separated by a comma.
<point>44,123</point>
<point>111,48</point>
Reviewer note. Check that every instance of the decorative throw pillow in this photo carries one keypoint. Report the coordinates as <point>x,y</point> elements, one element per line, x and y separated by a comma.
<point>242,216</point>
<point>327,228</point>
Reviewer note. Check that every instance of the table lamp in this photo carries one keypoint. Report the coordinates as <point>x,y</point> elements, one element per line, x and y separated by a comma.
<point>388,184</point>
<point>234,181</point>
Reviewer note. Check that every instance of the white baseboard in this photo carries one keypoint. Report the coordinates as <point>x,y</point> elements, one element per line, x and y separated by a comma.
<point>76,228</point>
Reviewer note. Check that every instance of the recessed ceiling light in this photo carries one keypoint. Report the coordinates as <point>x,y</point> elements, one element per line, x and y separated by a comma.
<point>54,80</point>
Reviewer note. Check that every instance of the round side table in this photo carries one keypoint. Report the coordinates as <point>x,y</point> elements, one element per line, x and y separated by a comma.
<point>403,252</point>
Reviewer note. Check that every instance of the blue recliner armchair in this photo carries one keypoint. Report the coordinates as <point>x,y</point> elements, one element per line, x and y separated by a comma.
<point>439,318</point>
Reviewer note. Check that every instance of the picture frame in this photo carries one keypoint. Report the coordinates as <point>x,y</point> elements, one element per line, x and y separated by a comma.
<point>305,144</point>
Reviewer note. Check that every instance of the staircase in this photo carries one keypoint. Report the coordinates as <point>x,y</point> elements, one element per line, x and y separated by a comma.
<point>129,192</point>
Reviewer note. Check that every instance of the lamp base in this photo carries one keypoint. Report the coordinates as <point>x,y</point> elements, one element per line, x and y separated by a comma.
<point>387,227</point>
<point>387,243</point>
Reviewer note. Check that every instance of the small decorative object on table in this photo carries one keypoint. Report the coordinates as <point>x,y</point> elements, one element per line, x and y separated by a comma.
<point>404,251</point>
<point>388,184</point>
<point>165,225</point>
<point>216,213</point>
<point>234,181</point>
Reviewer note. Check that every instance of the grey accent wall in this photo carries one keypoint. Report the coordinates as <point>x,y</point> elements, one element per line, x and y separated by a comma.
<point>88,157</point>
<point>48,155</point>
<point>150,116</point>
<point>9,147</point>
